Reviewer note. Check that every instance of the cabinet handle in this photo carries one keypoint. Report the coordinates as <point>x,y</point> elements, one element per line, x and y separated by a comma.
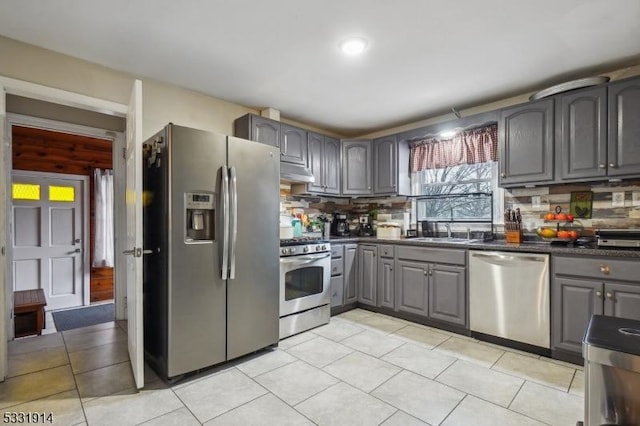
<point>503,174</point>
<point>281,154</point>
<point>368,187</point>
<point>391,269</point>
<point>605,269</point>
<point>430,272</point>
<point>425,272</point>
<point>612,165</point>
<point>603,166</point>
<point>598,293</point>
<point>609,295</point>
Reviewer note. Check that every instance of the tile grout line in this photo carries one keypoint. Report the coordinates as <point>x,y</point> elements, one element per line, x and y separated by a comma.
<point>75,381</point>
<point>454,408</point>
<point>183,405</point>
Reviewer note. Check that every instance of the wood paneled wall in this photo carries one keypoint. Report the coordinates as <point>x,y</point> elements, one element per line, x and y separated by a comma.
<point>55,152</point>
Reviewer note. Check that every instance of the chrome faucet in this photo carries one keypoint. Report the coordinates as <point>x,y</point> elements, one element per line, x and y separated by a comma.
<point>448,226</point>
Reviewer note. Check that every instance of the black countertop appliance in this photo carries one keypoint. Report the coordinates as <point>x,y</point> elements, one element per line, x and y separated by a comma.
<point>340,226</point>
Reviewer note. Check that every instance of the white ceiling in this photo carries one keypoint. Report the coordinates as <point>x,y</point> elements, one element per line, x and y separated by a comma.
<point>424,56</point>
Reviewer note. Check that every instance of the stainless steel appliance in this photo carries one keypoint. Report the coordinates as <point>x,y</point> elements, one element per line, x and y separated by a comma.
<point>340,226</point>
<point>509,296</point>
<point>305,272</point>
<point>611,350</point>
<point>211,279</point>
<point>618,237</point>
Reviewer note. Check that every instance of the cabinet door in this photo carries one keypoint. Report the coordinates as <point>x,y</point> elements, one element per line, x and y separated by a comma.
<point>331,158</point>
<point>573,303</point>
<point>350,273</point>
<point>315,161</point>
<point>356,167</point>
<point>448,294</point>
<point>622,300</point>
<point>337,290</point>
<point>386,283</point>
<point>367,274</point>
<point>412,287</point>
<point>293,144</point>
<point>581,134</point>
<point>385,165</point>
<point>265,131</point>
<point>526,144</point>
<point>624,128</point>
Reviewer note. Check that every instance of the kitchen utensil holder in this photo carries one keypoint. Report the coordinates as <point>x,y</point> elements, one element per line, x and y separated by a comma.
<point>514,236</point>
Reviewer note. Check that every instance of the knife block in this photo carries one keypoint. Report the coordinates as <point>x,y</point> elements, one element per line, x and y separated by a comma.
<point>514,236</point>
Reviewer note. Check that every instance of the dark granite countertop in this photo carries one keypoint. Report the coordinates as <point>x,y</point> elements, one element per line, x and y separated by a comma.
<point>498,245</point>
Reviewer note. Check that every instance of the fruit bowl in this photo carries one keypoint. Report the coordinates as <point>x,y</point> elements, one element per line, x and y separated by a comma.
<point>556,235</point>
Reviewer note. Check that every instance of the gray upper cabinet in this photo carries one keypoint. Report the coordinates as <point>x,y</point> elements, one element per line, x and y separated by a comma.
<point>293,144</point>
<point>259,129</point>
<point>367,274</point>
<point>324,161</point>
<point>526,144</point>
<point>385,165</point>
<point>581,134</point>
<point>448,294</point>
<point>357,174</point>
<point>624,128</point>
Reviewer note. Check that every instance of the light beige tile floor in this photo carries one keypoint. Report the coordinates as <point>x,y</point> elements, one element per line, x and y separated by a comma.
<point>363,368</point>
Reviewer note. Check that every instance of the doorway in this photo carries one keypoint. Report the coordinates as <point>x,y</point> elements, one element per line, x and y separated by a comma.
<point>49,229</point>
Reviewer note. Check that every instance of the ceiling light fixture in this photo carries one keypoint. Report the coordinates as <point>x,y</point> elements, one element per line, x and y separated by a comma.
<point>353,46</point>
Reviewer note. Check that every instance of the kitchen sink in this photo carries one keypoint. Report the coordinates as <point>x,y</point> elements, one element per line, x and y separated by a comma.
<point>447,240</point>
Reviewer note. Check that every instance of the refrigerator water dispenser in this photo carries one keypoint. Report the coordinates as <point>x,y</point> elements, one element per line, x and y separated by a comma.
<point>199,215</point>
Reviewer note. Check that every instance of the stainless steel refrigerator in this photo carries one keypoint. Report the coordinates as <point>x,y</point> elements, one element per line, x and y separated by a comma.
<point>211,263</point>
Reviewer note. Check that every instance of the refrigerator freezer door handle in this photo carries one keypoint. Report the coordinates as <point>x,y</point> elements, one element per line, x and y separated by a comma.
<point>225,222</point>
<point>233,191</point>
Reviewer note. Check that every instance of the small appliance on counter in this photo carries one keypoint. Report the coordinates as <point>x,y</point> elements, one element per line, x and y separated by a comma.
<point>629,238</point>
<point>340,226</point>
<point>388,230</point>
<point>365,229</point>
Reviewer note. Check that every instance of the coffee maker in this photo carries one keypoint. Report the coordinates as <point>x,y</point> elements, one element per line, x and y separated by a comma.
<point>340,226</point>
<point>365,229</point>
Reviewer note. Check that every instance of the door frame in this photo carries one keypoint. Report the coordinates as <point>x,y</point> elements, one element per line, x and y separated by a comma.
<point>57,96</point>
<point>86,267</point>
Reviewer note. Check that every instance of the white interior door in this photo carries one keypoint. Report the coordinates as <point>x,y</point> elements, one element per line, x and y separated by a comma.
<point>48,237</point>
<point>133,158</point>
<point>6,324</point>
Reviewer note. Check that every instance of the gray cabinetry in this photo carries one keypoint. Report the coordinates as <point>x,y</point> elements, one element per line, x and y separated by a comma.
<point>385,165</point>
<point>337,276</point>
<point>585,286</point>
<point>350,273</point>
<point>447,294</point>
<point>526,144</point>
<point>259,129</point>
<point>324,161</point>
<point>367,274</point>
<point>624,128</point>
<point>386,283</point>
<point>357,174</point>
<point>412,282</point>
<point>581,134</point>
<point>293,144</point>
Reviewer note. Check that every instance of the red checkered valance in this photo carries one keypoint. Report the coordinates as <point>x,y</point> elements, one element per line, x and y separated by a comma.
<point>478,145</point>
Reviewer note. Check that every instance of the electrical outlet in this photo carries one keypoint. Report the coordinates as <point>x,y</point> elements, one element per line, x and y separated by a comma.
<point>535,202</point>
<point>617,199</point>
<point>635,199</point>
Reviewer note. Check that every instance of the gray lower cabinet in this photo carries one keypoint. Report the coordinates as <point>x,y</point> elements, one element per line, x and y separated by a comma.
<point>367,274</point>
<point>448,294</point>
<point>412,284</point>
<point>386,283</point>
<point>357,173</point>
<point>582,287</point>
<point>526,139</point>
<point>337,291</point>
<point>581,134</point>
<point>624,128</point>
<point>350,273</point>
<point>337,276</point>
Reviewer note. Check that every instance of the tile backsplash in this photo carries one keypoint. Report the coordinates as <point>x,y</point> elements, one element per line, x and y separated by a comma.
<point>604,215</point>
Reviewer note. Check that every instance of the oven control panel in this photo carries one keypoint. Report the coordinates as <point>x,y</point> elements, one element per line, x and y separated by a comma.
<point>302,249</point>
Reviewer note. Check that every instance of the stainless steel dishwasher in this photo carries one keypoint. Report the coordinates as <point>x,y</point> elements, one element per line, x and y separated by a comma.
<point>509,296</point>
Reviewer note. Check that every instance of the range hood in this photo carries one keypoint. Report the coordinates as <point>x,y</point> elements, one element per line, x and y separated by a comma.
<point>295,173</point>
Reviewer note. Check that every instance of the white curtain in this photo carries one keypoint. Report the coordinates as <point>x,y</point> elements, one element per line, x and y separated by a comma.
<point>103,196</point>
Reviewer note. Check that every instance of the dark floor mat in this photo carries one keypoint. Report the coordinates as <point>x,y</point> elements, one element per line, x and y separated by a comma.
<point>83,317</point>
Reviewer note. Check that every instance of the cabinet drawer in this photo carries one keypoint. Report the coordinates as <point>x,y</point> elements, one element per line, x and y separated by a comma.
<point>599,268</point>
<point>336,267</point>
<point>433,255</point>
<point>385,250</point>
<point>337,250</point>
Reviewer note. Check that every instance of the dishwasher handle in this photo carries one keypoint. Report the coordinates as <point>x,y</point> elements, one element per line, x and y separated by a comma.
<point>500,258</point>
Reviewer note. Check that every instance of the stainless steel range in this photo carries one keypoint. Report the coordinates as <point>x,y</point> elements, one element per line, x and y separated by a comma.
<point>305,265</point>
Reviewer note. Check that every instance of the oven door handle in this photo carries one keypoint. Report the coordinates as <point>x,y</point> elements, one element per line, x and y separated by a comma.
<point>303,260</point>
